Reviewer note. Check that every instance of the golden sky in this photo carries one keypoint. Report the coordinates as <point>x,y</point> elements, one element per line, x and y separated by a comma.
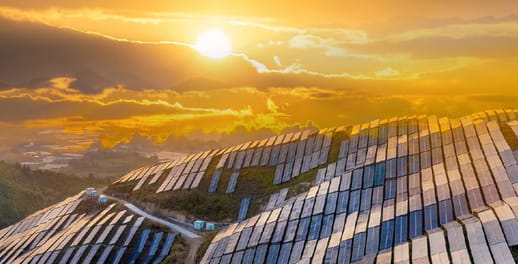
<point>113,69</point>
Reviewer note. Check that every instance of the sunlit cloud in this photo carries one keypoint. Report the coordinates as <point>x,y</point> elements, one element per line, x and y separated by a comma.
<point>387,72</point>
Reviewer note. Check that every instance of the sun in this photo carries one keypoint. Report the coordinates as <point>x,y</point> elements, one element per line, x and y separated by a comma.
<point>213,44</point>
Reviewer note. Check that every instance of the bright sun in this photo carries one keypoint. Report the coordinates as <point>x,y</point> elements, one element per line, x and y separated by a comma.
<point>213,44</point>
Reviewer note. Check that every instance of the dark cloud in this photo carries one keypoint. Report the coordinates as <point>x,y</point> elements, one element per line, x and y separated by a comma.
<point>34,53</point>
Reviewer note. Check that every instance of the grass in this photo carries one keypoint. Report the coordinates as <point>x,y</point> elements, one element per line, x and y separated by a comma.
<point>24,190</point>
<point>254,182</point>
<point>178,253</point>
<point>336,142</point>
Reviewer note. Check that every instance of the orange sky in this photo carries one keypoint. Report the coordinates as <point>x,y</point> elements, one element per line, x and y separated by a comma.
<point>111,70</point>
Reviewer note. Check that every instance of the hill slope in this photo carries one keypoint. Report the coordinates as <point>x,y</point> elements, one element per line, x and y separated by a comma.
<point>23,191</point>
<point>420,189</point>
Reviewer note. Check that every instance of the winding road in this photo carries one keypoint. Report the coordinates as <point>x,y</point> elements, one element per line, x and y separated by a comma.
<point>185,232</point>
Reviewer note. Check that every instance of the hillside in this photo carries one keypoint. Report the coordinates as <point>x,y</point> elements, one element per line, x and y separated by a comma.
<point>415,188</point>
<point>106,164</point>
<point>23,190</point>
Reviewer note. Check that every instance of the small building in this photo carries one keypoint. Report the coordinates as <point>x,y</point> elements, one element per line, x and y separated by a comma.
<point>210,226</point>
<point>92,192</point>
<point>199,224</point>
<point>102,199</point>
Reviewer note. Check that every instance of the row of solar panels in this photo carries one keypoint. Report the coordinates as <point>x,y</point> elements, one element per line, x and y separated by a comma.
<point>290,159</point>
<point>183,173</point>
<point>290,152</point>
<point>314,225</point>
<point>299,152</point>
<point>70,238</point>
<point>394,230</point>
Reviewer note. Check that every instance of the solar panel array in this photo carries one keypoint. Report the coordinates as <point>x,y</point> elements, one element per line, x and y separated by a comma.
<point>411,189</point>
<point>290,155</point>
<point>183,173</point>
<point>60,234</point>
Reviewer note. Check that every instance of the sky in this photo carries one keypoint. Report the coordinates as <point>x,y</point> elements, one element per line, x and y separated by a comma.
<point>109,70</point>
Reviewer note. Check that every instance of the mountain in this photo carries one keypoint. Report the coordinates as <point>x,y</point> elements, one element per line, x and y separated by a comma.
<point>23,191</point>
<point>414,188</point>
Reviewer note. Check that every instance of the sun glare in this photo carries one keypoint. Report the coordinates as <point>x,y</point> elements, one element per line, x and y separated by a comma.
<point>213,44</point>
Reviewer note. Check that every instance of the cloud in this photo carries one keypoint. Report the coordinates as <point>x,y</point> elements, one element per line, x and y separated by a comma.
<point>277,60</point>
<point>116,114</point>
<point>387,72</point>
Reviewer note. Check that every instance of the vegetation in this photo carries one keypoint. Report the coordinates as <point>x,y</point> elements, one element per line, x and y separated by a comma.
<point>254,182</point>
<point>24,191</point>
<point>179,252</point>
<point>336,143</point>
<point>107,163</point>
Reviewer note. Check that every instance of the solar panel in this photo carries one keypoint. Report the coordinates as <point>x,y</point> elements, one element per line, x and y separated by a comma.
<point>260,254</point>
<point>267,232</point>
<point>140,246</point>
<point>119,255</point>
<point>387,233</point>
<point>358,246</point>
<point>92,234</point>
<point>265,158</point>
<point>366,196</point>
<point>401,229</point>
<point>273,253</point>
<point>314,228</point>
<point>187,180</point>
<point>245,202</point>
<point>284,254</point>
<point>291,229</point>
<point>344,252</point>
<point>130,235</point>
<point>232,182</point>
<point>244,238</point>
<point>79,254</point>
<point>288,169</point>
<point>438,245</point>
<point>279,232</point>
<point>309,249</point>
<point>327,226</point>
<point>67,255</point>
<point>308,207</point>
<point>248,256</point>
<point>306,163</point>
<point>315,159</point>
<point>91,254</point>
<point>372,241</point>
<point>105,254</point>
<point>256,235</point>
